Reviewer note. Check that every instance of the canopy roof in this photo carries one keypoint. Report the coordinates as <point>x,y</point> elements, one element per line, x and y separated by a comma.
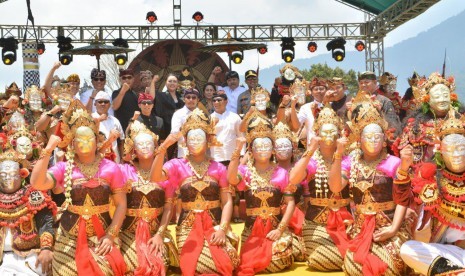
<point>371,6</point>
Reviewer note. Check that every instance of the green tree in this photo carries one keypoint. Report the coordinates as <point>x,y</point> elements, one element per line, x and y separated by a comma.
<point>326,72</point>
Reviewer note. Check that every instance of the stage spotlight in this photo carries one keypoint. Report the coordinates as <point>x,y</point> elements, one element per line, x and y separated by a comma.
<point>360,46</point>
<point>121,59</point>
<point>237,57</point>
<point>312,47</point>
<point>263,50</point>
<point>198,16</point>
<point>338,49</point>
<point>151,17</point>
<point>287,49</point>
<point>9,45</point>
<point>40,48</point>
<point>64,45</point>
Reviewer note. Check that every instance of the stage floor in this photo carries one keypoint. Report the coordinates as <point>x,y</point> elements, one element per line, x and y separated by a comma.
<point>296,269</point>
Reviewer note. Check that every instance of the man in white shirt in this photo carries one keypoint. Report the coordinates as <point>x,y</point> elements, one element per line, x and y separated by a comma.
<point>99,80</point>
<point>108,122</point>
<point>233,90</point>
<point>191,99</point>
<point>226,129</point>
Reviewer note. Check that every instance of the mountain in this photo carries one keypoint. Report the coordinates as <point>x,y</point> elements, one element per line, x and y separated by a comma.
<point>423,53</point>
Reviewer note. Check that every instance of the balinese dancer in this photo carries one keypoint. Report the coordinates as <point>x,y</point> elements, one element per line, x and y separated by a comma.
<point>149,205</point>
<point>266,241</point>
<point>437,98</point>
<point>326,214</point>
<point>85,240</point>
<point>291,103</point>
<point>439,247</point>
<point>285,144</point>
<point>203,230</point>
<point>260,99</point>
<point>380,189</point>
<point>26,220</point>
<point>387,88</point>
<point>34,104</point>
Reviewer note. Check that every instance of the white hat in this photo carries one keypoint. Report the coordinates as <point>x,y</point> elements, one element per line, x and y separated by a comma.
<point>102,95</point>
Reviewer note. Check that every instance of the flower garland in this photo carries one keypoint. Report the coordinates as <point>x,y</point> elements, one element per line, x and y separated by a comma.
<point>259,180</point>
<point>68,185</point>
<point>321,175</point>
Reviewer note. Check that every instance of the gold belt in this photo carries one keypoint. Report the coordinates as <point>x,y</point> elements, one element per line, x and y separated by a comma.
<point>263,212</point>
<point>332,203</point>
<point>146,214</point>
<point>201,205</point>
<point>87,211</point>
<point>372,208</point>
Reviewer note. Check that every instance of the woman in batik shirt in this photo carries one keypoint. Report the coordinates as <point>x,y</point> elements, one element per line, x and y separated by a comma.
<point>380,189</point>
<point>149,206</point>
<point>203,234</point>
<point>266,240</point>
<point>86,236</point>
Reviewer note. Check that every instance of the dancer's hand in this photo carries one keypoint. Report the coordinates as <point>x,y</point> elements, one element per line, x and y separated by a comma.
<point>406,157</point>
<point>274,235</point>
<point>105,245</point>
<point>156,244</point>
<point>384,234</point>
<point>218,238</point>
<point>341,144</point>
<point>45,260</point>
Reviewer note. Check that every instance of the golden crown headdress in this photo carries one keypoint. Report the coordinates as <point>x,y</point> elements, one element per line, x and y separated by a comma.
<point>197,120</point>
<point>293,68</point>
<point>61,89</point>
<point>15,156</point>
<point>365,112</point>
<point>33,89</point>
<point>16,120</point>
<point>134,129</point>
<point>298,85</point>
<point>258,127</point>
<point>75,116</point>
<point>327,116</point>
<point>259,91</point>
<point>386,78</point>
<point>20,132</point>
<point>454,124</point>
<point>436,78</point>
<point>281,130</point>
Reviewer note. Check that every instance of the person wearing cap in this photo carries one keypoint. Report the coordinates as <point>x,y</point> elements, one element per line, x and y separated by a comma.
<point>125,99</point>
<point>243,102</point>
<point>108,122</point>
<point>367,82</point>
<point>233,90</point>
<point>191,100</point>
<point>99,80</point>
<point>146,116</point>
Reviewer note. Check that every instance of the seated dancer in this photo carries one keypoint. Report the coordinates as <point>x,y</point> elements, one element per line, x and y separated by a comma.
<point>437,95</point>
<point>26,220</point>
<point>324,228</point>
<point>86,236</point>
<point>285,144</point>
<point>146,245</point>
<point>438,248</point>
<point>203,235</point>
<point>380,189</point>
<point>266,242</point>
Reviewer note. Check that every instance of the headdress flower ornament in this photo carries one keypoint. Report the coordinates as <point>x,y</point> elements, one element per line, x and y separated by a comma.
<point>454,124</point>
<point>327,116</point>
<point>293,68</point>
<point>365,112</point>
<point>20,132</point>
<point>281,130</point>
<point>258,127</point>
<point>259,91</point>
<point>132,131</point>
<point>434,79</point>
<point>75,116</point>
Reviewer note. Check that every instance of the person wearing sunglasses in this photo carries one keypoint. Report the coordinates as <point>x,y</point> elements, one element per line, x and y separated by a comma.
<point>99,81</point>
<point>146,116</point>
<point>108,123</point>
<point>191,99</point>
<point>125,99</point>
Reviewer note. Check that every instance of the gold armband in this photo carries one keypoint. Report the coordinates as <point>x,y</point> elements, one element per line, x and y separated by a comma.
<point>46,240</point>
<point>45,153</point>
<point>337,156</point>
<point>161,230</point>
<point>224,227</point>
<point>282,227</point>
<point>307,153</point>
<point>236,154</point>
<point>112,231</point>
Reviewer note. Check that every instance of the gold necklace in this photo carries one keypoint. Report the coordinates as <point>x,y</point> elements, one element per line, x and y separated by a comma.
<point>262,179</point>
<point>368,169</point>
<point>199,169</point>
<point>142,175</point>
<point>89,170</point>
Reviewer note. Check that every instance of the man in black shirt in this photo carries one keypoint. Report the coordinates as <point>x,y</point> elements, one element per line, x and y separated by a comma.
<point>125,99</point>
<point>147,117</point>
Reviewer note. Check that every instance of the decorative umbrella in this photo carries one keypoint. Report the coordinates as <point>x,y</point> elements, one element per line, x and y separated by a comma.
<point>97,48</point>
<point>229,46</point>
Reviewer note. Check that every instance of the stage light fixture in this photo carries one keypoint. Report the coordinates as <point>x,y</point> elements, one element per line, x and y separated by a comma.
<point>263,50</point>
<point>287,49</point>
<point>198,16</point>
<point>151,17</point>
<point>64,45</point>
<point>360,46</point>
<point>312,47</point>
<point>237,57</point>
<point>9,45</point>
<point>40,48</point>
<point>121,59</point>
<point>336,46</point>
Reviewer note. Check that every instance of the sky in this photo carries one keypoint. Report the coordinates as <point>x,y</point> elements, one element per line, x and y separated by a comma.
<point>216,12</point>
